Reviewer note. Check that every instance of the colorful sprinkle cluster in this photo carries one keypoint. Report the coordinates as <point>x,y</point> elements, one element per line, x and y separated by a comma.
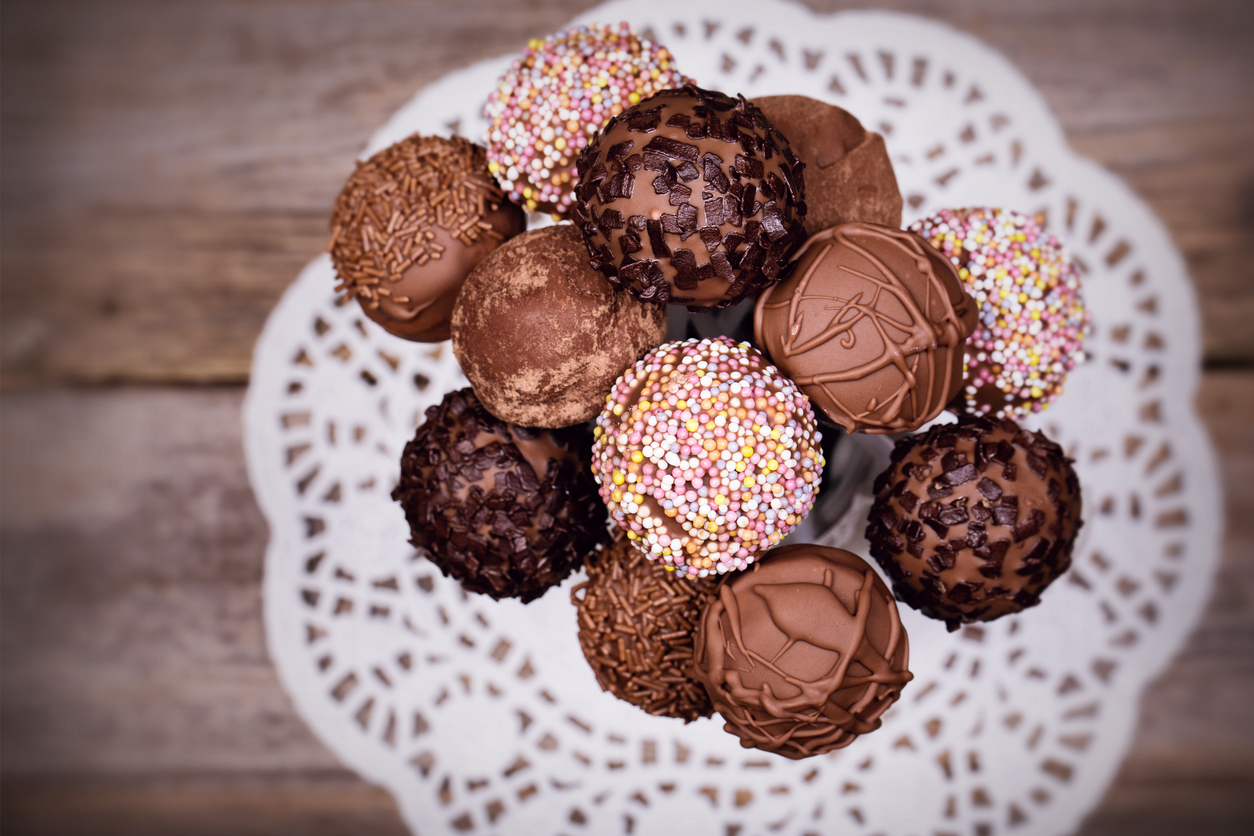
<point>706,455</point>
<point>1032,316</point>
<point>559,94</point>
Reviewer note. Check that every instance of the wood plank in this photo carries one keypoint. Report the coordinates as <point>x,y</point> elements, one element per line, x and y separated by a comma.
<point>168,167</point>
<point>137,695</point>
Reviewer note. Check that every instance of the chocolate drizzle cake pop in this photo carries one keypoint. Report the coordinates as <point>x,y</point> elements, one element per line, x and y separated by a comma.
<point>637,618</point>
<point>803,653</point>
<point>408,227</point>
<point>506,510</point>
<point>871,325</point>
<point>973,520</point>
<point>691,198</point>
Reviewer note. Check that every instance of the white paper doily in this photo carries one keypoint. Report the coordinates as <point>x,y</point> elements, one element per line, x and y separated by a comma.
<point>482,717</point>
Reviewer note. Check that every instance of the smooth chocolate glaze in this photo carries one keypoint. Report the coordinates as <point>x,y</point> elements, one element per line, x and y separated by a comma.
<point>804,652</point>
<point>973,520</point>
<point>871,325</point>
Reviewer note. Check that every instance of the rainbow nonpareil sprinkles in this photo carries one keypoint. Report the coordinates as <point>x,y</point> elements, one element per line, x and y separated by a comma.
<point>561,91</point>
<point>1032,314</point>
<point>706,455</point>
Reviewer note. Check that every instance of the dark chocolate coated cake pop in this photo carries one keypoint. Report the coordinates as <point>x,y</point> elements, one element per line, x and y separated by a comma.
<point>804,652</point>
<point>692,198</point>
<point>973,520</point>
<point>871,325</point>
<point>506,510</point>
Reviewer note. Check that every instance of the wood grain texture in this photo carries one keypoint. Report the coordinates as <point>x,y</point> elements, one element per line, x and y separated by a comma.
<point>137,694</point>
<point>169,167</point>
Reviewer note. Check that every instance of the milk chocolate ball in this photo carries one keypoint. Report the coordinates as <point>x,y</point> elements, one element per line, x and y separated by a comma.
<point>871,325</point>
<point>973,520</point>
<point>408,227</point>
<point>804,652</point>
<point>848,174</point>
<point>542,336</point>
<point>691,198</point>
<point>506,510</point>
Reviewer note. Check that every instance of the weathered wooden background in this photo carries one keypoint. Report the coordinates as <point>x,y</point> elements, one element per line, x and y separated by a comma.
<point>168,167</point>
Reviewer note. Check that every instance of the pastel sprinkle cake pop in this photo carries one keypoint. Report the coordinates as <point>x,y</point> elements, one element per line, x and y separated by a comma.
<point>555,97</point>
<point>1032,314</point>
<point>706,455</point>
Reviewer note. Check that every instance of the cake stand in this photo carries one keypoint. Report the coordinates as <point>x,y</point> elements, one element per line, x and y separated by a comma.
<point>482,717</point>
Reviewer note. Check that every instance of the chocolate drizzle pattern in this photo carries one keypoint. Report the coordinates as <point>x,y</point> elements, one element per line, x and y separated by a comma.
<point>506,510</point>
<point>972,521</point>
<point>870,325</point>
<point>637,618</point>
<point>692,198</point>
<point>803,653</point>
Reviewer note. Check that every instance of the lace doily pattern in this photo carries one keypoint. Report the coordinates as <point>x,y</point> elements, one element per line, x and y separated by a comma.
<point>482,717</point>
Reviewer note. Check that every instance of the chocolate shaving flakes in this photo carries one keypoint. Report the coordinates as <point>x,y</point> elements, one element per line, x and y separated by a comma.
<point>988,540</point>
<point>636,626</point>
<point>482,513</point>
<point>383,220</point>
<point>751,195</point>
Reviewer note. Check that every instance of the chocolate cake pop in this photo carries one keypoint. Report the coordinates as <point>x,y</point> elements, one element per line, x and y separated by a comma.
<point>1032,315</point>
<point>692,198</point>
<point>637,618</point>
<point>408,227</point>
<point>804,653</point>
<point>542,336</point>
<point>506,510</point>
<point>848,174</point>
<point>870,324</point>
<point>973,520</point>
<point>555,97</point>
<point>706,456</point>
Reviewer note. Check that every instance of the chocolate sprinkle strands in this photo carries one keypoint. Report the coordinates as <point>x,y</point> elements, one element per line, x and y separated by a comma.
<point>973,520</point>
<point>506,510</point>
<point>1032,314</point>
<point>706,456</point>
<point>385,218</point>
<point>637,618</point>
<point>557,96</point>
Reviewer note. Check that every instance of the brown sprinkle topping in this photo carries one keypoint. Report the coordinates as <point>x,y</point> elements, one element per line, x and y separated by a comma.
<point>383,220</point>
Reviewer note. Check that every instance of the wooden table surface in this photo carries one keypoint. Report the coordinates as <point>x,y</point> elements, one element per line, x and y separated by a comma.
<point>168,167</point>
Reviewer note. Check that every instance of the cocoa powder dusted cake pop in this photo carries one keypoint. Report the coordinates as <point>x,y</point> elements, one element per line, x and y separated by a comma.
<point>706,456</point>
<point>1032,314</point>
<point>408,227</point>
<point>973,520</point>
<point>804,653</point>
<point>691,198</point>
<point>555,97</point>
<point>542,336</point>
<point>506,510</point>
<point>871,325</point>
<point>848,174</point>
<point>637,618</point>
